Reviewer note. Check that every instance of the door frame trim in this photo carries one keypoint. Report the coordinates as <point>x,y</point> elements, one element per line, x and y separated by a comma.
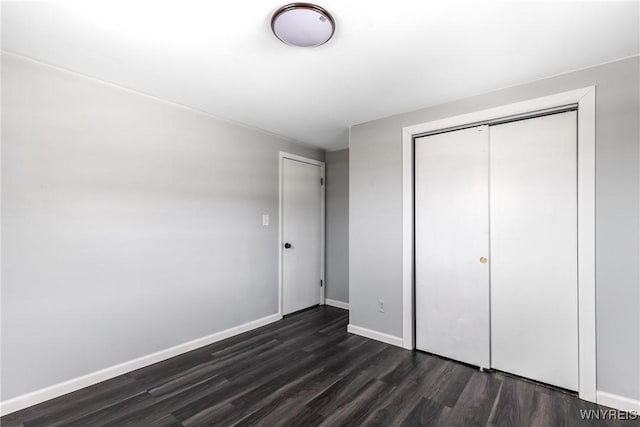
<point>585,98</point>
<point>281,157</point>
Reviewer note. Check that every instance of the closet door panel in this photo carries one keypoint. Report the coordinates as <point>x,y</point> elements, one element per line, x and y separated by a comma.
<point>451,236</point>
<point>534,294</point>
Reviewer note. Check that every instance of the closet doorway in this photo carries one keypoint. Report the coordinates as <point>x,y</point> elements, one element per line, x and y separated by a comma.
<point>496,246</point>
<point>504,239</point>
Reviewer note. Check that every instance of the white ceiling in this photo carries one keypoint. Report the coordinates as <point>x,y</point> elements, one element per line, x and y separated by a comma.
<point>385,58</point>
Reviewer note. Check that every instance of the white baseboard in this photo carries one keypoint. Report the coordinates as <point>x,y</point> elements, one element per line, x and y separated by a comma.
<point>56,390</point>
<point>336,303</point>
<point>617,402</point>
<point>375,335</point>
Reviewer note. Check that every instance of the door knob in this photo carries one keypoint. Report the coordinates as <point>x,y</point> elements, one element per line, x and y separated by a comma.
<point>483,260</point>
<point>287,245</point>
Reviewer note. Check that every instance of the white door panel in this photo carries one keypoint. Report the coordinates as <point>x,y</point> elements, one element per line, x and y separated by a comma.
<point>451,235</point>
<point>534,299</point>
<point>301,223</point>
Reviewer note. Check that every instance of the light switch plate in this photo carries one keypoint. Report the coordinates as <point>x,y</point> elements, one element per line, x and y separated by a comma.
<point>265,219</point>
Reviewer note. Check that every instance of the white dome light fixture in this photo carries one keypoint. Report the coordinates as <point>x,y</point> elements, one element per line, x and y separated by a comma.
<point>303,24</point>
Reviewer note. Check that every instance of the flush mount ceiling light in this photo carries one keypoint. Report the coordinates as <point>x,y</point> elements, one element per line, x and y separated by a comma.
<point>303,24</point>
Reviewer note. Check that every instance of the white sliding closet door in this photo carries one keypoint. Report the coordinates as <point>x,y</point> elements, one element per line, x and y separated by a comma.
<point>534,293</point>
<point>452,235</point>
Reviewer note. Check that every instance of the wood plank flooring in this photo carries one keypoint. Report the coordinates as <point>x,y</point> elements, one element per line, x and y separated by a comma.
<point>307,371</point>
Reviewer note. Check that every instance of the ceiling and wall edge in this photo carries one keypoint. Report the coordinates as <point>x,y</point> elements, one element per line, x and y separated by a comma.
<point>284,137</point>
<point>613,61</point>
<point>163,100</point>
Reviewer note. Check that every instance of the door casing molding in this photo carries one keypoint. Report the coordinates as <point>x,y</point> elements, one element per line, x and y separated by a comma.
<point>282,156</point>
<point>585,98</point>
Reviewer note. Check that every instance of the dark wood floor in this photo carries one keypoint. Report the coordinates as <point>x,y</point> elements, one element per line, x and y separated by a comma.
<point>304,371</point>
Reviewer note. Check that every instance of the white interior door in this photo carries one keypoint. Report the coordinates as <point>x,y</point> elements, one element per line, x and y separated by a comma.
<point>534,293</point>
<point>452,241</point>
<point>301,235</point>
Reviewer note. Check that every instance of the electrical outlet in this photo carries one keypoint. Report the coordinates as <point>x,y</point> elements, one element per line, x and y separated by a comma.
<point>381,305</point>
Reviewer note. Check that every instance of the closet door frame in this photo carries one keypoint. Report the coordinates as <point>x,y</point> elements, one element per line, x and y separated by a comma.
<point>585,100</point>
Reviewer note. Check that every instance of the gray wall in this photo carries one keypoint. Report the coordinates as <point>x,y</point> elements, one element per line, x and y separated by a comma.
<point>337,225</point>
<point>129,225</point>
<point>375,204</point>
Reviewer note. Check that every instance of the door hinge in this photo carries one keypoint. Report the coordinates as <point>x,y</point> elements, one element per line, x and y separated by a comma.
<point>321,181</point>
<point>321,283</point>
